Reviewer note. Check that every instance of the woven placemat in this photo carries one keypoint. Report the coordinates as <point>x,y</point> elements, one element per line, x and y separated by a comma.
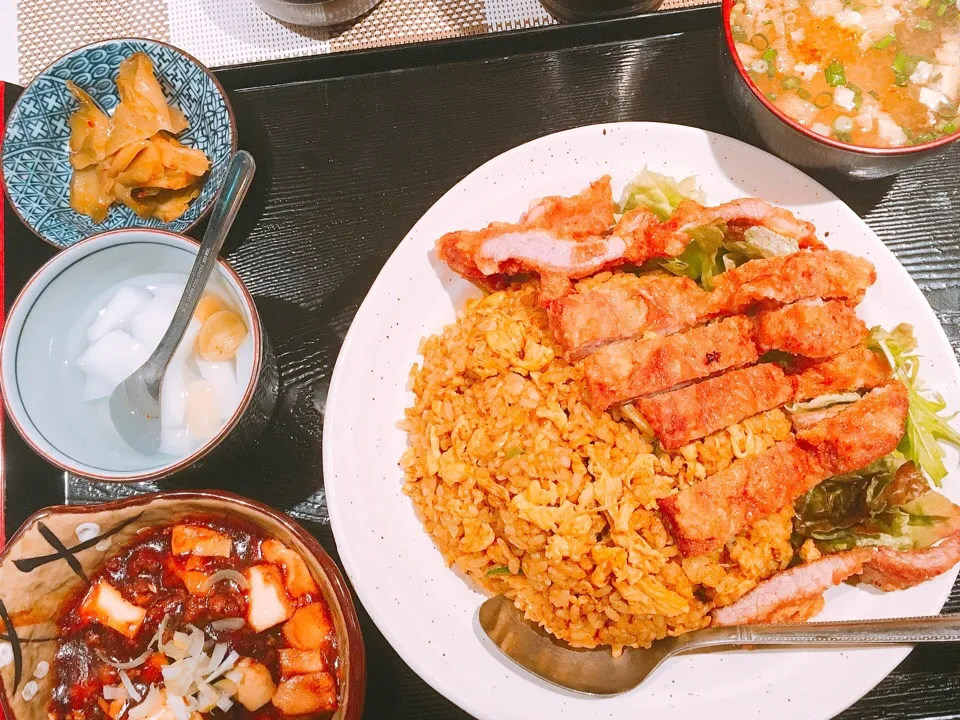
<point>227,32</point>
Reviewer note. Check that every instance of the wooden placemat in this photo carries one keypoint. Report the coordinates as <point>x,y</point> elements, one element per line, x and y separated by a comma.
<point>228,32</point>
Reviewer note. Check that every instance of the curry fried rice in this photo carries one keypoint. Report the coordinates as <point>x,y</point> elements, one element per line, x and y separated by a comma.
<point>533,495</point>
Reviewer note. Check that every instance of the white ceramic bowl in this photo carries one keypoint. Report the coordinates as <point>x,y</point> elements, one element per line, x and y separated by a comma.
<point>45,333</point>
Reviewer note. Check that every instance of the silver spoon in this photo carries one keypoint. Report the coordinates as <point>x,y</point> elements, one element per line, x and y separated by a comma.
<point>597,672</point>
<point>135,403</point>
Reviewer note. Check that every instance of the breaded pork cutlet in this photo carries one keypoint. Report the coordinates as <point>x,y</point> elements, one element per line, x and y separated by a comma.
<point>705,515</point>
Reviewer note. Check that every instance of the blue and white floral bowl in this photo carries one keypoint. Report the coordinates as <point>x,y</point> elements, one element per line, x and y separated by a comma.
<point>36,153</point>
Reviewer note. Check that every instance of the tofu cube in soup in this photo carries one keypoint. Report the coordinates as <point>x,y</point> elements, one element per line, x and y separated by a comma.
<point>310,628</point>
<point>106,605</point>
<point>255,688</point>
<point>301,662</point>
<point>268,603</point>
<point>303,694</point>
<point>199,540</point>
<point>297,576</point>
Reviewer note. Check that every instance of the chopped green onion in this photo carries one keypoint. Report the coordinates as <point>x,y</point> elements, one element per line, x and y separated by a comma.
<point>844,137</point>
<point>924,3</point>
<point>770,56</point>
<point>942,10</point>
<point>803,94</point>
<point>885,42</point>
<point>903,67</point>
<point>790,83</point>
<point>925,25</point>
<point>874,94</point>
<point>771,96</point>
<point>499,570</point>
<point>835,74</point>
<point>512,453</point>
<point>857,95</point>
<point>760,41</point>
<point>950,129</point>
<point>739,34</point>
<point>823,100</point>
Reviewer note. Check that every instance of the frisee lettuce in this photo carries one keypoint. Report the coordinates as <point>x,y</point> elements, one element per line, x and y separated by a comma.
<point>926,427</point>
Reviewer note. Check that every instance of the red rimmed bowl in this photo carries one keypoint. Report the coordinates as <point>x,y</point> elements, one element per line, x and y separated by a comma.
<point>45,333</point>
<point>799,145</point>
<point>37,576</point>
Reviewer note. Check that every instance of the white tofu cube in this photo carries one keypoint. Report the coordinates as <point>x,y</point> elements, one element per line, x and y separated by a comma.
<point>821,128</point>
<point>931,98</point>
<point>106,605</point>
<point>922,73</point>
<point>889,130</point>
<point>267,602</point>
<point>844,98</point>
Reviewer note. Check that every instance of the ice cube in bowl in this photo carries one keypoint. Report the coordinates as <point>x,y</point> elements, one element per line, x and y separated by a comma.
<point>91,316</point>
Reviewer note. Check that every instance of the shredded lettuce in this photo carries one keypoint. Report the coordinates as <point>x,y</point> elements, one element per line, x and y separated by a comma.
<point>759,242</point>
<point>660,193</point>
<point>700,261</point>
<point>824,401</point>
<point>888,504</point>
<point>713,249</point>
<point>927,427</point>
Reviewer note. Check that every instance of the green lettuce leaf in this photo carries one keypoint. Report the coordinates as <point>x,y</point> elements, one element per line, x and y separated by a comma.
<point>927,426</point>
<point>888,504</point>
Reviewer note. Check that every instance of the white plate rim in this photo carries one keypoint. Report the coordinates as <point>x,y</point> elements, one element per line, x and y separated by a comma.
<point>473,704</point>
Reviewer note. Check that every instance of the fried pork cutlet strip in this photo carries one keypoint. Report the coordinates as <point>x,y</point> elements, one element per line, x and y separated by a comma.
<point>571,237</point>
<point>854,369</point>
<point>803,583</point>
<point>862,433</point>
<point>624,307</point>
<point>626,370</point>
<point>556,223</point>
<point>690,413</point>
<point>704,516</point>
<point>810,329</point>
<point>620,308</point>
<point>804,275</point>
<point>693,412</point>
<point>884,568</point>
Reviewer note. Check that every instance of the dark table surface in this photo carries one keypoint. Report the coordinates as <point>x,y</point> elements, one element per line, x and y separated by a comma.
<point>351,150</point>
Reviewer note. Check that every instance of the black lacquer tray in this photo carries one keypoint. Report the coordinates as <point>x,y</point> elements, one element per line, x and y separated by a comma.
<point>353,148</point>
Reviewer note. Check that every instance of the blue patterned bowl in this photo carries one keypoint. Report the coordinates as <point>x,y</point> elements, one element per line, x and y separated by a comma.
<point>36,154</point>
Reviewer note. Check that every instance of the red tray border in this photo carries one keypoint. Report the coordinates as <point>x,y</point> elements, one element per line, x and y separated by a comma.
<point>3,470</point>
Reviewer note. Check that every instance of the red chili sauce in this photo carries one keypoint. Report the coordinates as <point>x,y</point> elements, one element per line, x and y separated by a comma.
<point>149,575</point>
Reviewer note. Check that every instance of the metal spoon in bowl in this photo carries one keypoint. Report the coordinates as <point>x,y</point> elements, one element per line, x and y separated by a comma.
<point>135,403</point>
<point>597,672</point>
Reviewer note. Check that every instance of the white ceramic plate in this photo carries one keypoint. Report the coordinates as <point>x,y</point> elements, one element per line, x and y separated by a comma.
<point>427,611</point>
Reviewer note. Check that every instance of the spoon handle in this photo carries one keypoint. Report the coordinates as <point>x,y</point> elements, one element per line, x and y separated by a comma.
<point>896,631</point>
<point>225,207</point>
